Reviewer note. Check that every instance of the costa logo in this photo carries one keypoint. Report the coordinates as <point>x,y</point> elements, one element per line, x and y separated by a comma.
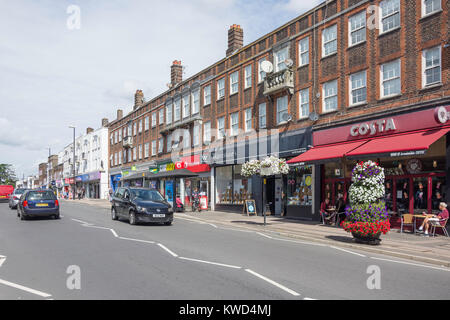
<point>441,115</point>
<point>372,128</point>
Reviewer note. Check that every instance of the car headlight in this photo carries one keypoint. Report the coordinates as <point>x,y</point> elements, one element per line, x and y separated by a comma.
<point>141,209</point>
<point>170,210</point>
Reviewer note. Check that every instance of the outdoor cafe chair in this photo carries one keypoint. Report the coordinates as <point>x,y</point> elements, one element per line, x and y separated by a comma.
<point>437,224</point>
<point>407,220</point>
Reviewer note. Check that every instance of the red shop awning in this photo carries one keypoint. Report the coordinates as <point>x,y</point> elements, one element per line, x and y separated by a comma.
<point>401,143</point>
<point>327,152</point>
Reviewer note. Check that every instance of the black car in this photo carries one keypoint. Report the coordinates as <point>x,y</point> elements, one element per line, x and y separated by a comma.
<point>38,203</point>
<point>141,205</point>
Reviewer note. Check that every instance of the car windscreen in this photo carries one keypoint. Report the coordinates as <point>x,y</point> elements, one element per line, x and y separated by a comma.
<point>19,191</point>
<point>147,195</point>
<point>40,195</point>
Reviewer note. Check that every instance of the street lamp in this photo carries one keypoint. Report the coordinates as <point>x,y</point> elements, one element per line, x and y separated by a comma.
<point>73,165</point>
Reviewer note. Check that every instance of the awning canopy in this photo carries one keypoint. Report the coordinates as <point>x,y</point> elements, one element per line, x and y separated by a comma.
<point>133,176</point>
<point>399,145</point>
<point>326,152</point>
<point>180,173</point>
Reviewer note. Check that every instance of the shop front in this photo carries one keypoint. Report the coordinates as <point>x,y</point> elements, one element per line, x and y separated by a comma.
<point>413,148</point>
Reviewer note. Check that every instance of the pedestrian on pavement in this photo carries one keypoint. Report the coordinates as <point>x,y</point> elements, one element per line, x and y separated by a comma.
<point>430,219</point>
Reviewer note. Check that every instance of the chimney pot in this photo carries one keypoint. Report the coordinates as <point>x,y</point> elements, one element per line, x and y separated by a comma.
<point>176,73</point>
<point>235,39</point>
<point>138,99</point>
<point>119,114</point>
<point>104,122</point>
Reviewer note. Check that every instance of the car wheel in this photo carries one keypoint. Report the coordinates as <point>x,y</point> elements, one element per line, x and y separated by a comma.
<point>23,217</point>
<point>57,216</point>
<point>168,223</point>
<point>132,218</point>
<point>113,213</point>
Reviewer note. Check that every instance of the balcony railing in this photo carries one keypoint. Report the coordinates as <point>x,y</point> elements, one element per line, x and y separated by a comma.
<point>128,142</point>
<point>279,81</point>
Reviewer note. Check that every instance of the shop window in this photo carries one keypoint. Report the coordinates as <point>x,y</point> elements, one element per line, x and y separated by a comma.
<point>299,186</point>
<point>242,186</point>
<point>438,192</point>
<point>231,187</point>
<point>420,194</point>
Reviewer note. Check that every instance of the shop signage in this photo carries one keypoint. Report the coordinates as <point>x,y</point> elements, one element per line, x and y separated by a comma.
<point>414,166</point>
<point>441,115</point>
<point>94,176</point>
<point>166,167</point>
<point>133,168</point>
<point>153,170</point>
<point>408,153</point>
<point>372,128</point>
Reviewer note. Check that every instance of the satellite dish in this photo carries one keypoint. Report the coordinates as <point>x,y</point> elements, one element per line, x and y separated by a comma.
<point>289,62</point>
<point>267,66</point>
<point>286,117</point>
<point>313,116</point>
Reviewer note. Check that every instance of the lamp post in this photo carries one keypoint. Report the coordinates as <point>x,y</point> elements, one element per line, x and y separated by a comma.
<point>73,165</point>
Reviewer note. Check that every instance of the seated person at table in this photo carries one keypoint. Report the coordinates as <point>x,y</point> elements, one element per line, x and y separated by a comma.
<point>324,210</point>
<point>440,218</point>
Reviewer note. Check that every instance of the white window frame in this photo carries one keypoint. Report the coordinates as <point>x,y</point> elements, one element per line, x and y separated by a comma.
<point>177,110</point>
<point>248,119</point>
<point>153,119</point>
<point>352,89</point>
<point>169,113</point>
<point>120,157</point>
<point>327,96</point>
<point>134,154</point>
<point>248,76</point>
<point>207,95</point>
<point>161,145</point>
<point>220,128</point>
<point>389,15</point>
<point>234,123</point>
<point>220,88</point>
<point>146,123</point>
<point>196,101</point>
<point>357,29</point>
<point>262,106</point>
<point>134,128</point>
<point>329,41</point>
<point>285,109</point>
<point>196,135</point>
<point>278,64</point>
<point>169,143</point>
<point>234,82</point>
<point>382,80</point>
<point>153,148</point>
<point>261,74</point>
<point>207,132</point>
<point>186,105</point>
<point>146,150</point>
<point>303,103</point>
<point>425,68</point>
<point>120,137</point>
<point>140,126</point>
<point>303,52</point>
<point>424,8</point>
<point>161,116</point>
<point>140,151</point>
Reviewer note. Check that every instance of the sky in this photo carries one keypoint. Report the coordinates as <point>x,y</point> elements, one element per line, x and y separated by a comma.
<point>56,72</point>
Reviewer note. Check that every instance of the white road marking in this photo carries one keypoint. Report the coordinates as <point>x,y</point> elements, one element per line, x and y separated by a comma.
<point>301,242</point>
<point>114,233</point>
<point>83,222</point>
<point>276,284</point>
<point>264,235</point>
<point>348,251</point>
<point>210,262</point>
<point>306,298</point>
<point>168,250</point>
<point>412,264</point>
<point>2,260</point>
<point>23,288</point>
<point>138,240</point>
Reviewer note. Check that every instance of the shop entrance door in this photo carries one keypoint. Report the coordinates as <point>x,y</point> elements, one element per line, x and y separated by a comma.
<point>270,194</point>
<point>278,195</point>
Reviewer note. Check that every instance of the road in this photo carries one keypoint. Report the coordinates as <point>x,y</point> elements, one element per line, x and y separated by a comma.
<point>191,260</point>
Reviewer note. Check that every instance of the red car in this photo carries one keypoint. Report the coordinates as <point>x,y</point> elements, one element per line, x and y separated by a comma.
<point>5,192</point>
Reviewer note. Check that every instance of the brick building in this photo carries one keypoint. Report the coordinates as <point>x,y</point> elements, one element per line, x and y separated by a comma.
<point>42,175</point>
<point>343,63</point>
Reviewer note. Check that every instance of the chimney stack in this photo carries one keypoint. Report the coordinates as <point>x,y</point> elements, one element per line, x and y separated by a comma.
<point>104,122</point>
<point>119,114</point>
<point>176,73</point>
<point>235,39</point>
<point>89,130</point>
<point>138,99</point>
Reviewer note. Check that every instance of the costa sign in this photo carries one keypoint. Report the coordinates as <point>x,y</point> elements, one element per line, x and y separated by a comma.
<point>441,115</point>
<point>373,128</point>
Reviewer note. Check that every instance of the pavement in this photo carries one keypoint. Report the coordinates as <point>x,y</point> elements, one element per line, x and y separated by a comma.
<point>433,250</point>
<point>195,258</point>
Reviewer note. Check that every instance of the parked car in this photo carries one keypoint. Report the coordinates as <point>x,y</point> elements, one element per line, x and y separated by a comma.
<point>15,197</point>
<point>5,192</point>
<point>141,205</point>
<point>38,203</point>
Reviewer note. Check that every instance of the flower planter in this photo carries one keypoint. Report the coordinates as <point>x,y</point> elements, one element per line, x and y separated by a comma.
<point>369,239</point>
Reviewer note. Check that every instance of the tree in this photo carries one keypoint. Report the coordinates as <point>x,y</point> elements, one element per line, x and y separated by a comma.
<point>7,174</point>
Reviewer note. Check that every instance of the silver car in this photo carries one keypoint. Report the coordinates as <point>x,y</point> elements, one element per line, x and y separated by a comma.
<point>15,197</point>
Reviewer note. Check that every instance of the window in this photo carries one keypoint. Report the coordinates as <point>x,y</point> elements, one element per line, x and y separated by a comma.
<point>330,96</point>
<point>153,119</point>
<point>248,76</point>
<point>329,41</point>
<point>261,73</point>
<point>358,88</point>
<point>430,6</point>
<point>177,112</point>
<point>431,64</point>
<point>116,161</point>
<point>130,128</point>
<point>262,115</point>
<point>282,108</point>
<point>169,143</point>
<point>116,137</point>
<point>169,113</point>
<point>111,139</point>
<point>153,148</point>
<point>196,135</point>
<point>146,123</point>
<point>140,151</point>
<point>129,155</point>
<point>220,128</point>
<point>303,50</point>
<point>357,28</point>
<point>161,116</point>
<point>231,187</point>
<point>207,132</point>
<point>186,106</point>
<point>390,79</point>
<point>196,101</point>
<point>234,82</point>
<point>120,157</point>
<point>280,57</point>
<point>134,128</point>
<point>186,138</point>
<point>140,126</point>
<point>161,145</point>
<point>220,88</point>
<point>390,15</point>
<point>134,153</point>
<point>146,149</point>
<point>248,119</point>
<point>303,110</point>
<point>234,123</point>
<point>120,136</point>
<point>207,95</point>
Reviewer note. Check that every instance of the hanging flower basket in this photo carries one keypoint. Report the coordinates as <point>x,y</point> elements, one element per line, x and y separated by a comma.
<point>268,167</point>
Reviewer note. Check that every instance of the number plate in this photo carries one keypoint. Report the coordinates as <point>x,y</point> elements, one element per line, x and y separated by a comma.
<point>42,205</point>
<point>159,216</point>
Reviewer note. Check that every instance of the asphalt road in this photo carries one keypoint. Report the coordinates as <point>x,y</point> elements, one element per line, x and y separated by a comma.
<point>191,260</point>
